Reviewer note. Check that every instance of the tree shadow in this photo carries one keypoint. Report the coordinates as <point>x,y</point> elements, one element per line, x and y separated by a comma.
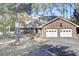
<point>60,50</point>
<point>56,50</point>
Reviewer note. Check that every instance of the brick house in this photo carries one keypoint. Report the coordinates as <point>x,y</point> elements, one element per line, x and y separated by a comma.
<point>59,27</point>
<point>56,27</point>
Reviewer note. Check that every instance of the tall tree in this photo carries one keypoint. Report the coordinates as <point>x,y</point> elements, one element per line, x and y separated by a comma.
<point>76,13</point>
<point>35,8</point>
<point>61,9</point>
<point>7,13</point>
<point>70,10</point>
<point>22,12</point>
<point>50,6</point>
<point>27,7</point>
<point>66,10</point>
<point>43,7</point>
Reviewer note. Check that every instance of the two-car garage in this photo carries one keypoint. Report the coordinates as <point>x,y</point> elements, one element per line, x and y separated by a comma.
<point>59,27</point>
<point>59,33</point>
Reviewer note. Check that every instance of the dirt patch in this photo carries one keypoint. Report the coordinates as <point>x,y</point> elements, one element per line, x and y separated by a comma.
<point>6,42</point>
<point>41,39</point>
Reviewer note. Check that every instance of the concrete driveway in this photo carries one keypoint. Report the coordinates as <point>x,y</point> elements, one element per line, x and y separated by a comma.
<point>57,47</point>
<point>70,42</point>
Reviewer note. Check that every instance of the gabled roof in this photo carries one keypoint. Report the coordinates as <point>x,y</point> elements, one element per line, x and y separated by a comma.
<point>47,18</point>
<point>37,23</point>
<point>62,19</point>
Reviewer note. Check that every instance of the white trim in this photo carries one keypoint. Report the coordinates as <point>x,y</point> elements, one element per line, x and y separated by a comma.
<point>50,21</point>
<point>70,22</point>
<point>77,25</point>
<point>62,19</point>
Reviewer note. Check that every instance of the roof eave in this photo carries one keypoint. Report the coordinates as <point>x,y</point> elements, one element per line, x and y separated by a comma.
<point>63,19</point>
<point>50,21</point>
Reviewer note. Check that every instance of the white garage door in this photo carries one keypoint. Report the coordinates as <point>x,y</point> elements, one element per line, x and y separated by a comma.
<point>51,33</point>
<point>65,32</point>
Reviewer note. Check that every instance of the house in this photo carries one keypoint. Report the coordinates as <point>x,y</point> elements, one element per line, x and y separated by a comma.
<point>56,27</point>
<point>34,24</point>
<point>60,27</point>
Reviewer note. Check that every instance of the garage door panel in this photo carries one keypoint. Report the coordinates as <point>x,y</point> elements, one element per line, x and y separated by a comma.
<point>65,32</point>
<point>51,33</point>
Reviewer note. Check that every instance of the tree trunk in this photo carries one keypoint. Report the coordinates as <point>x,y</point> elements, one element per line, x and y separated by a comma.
<point>17,29</point>
<point>70,10</point>
<point>9,29</point>
<point>17,34</point>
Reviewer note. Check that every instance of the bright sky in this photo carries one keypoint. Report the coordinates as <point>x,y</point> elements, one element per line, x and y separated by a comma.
<point>56,12</point>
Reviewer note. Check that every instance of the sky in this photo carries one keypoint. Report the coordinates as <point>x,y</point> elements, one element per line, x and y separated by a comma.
<point>56,12</point>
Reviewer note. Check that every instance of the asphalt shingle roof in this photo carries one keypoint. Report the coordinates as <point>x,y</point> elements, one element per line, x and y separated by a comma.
<point>37,23</point>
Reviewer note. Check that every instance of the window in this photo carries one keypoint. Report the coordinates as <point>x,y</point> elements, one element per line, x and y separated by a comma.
<point>69,31</point>
<point>36,30</point>
<point>66,30</point>
<point>55,30</point>
<point>77,29</point>
<point>49,31</point>
<point>60,24</point>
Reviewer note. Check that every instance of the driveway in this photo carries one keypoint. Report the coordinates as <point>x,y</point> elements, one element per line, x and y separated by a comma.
<point>53,47</point>
<point>57,47</point>
<point>70,42</point>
